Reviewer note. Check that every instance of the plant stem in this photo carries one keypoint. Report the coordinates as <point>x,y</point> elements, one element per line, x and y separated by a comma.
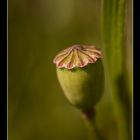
<point>113,24</point>
<point>89,117</point>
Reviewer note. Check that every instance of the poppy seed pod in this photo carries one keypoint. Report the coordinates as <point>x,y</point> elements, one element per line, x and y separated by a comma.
<point>81,75</point>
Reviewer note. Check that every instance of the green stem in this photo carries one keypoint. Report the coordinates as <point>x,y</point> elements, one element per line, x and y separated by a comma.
<point>113,24</point>
<point>89,117</point>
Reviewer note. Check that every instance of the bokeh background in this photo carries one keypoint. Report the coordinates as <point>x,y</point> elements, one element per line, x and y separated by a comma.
<point>37,30</point>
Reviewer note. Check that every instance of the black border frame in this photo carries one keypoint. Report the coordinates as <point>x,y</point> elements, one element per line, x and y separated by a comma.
<point>3,68</point>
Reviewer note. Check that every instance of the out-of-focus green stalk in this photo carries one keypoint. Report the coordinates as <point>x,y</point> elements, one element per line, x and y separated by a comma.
<point>113,25</point>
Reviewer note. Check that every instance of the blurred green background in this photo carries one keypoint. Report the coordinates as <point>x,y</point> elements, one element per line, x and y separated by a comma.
<point>37,31</point>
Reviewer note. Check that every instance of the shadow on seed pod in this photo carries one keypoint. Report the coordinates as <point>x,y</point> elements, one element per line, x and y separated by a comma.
<point>81,75</point>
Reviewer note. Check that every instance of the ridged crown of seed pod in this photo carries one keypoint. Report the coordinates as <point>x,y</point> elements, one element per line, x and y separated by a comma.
<point>81,75</point>
<point>77,56</point>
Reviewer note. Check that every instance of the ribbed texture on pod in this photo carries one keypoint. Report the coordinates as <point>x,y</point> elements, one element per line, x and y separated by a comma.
<point>81,75</point>
<point>77,56</point>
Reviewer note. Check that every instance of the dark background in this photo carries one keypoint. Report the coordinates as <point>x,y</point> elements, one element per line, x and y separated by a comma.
<point>37,31</point>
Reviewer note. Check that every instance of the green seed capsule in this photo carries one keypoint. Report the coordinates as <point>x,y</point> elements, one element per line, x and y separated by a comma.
<point>81,75</point>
